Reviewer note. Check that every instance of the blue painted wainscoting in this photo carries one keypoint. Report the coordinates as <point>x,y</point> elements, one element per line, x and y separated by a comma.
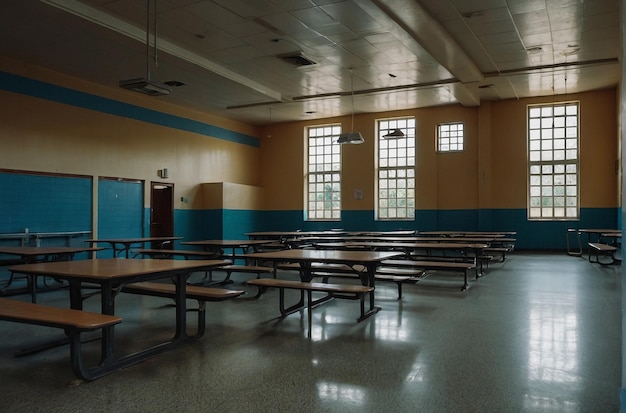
<point>531,235</point>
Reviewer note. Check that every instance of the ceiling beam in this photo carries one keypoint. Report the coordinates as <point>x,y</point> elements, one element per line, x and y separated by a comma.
<point>411,16</point>
<point>106,20</point>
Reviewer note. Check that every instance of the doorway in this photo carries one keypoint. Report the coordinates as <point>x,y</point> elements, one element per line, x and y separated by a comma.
<point>162,212</point>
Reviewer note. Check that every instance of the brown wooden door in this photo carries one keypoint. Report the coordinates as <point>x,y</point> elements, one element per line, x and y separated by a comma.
<point>162,211</point>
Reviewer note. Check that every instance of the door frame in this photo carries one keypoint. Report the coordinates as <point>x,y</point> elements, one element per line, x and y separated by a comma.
<point>166,209</point>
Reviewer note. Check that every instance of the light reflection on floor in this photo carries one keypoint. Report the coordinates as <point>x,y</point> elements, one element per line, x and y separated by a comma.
<point>341,392</point>
<point>553,351</point>
<point>538,333</point>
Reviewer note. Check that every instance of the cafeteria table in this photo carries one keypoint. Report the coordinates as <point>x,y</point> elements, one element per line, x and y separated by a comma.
<point>33,254</point>
<point>305,257</point>
<point>127,243</point>
<point>219,245</point>
<point>111,274</point>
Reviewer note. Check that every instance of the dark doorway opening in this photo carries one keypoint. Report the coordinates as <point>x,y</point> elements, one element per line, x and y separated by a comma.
<point>162,212</point>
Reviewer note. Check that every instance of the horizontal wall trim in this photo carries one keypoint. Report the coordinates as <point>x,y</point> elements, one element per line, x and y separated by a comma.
<point>52,174</point>
<point>38,89</point>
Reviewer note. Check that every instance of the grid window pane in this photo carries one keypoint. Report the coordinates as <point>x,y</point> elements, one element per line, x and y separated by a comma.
<point>396,170</point>
<point>324,174</point>
<point>450,137</point>
<point>553,162</point>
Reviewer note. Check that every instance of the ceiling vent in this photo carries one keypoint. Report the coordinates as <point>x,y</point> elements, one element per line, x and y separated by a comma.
<point>296,59</point>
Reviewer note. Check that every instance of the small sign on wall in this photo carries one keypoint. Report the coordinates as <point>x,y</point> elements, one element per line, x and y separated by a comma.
<point>358,194</point>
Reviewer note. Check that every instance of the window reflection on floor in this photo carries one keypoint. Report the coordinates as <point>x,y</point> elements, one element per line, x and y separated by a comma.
<point>384,328</point>
<point>547,404</point>
<point>553,354</point>
<point>341,392</point>
<point>553,344</point>
<point>390,329</point>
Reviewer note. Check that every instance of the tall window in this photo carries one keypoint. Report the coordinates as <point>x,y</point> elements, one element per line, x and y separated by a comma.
<point>323,174</point>
<point>395,198</point>
<point>450,137</point>
<point>553,161</point>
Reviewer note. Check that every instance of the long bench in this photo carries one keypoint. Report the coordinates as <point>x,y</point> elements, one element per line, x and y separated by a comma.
<point>347,291</point>
<point>388,266</point>
<point>230,269</point>
<point>168,254</point>
<point>597,250</point>
<point>326,271</point>
<point>500,246</point>
<point>189,254</point>
<point>249,269</point>
<point>489,253</point>
<point>74,322</point>
<point>200,294</point>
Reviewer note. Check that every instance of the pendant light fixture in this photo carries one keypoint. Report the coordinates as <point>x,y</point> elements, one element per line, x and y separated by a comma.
<point>352,137</point>
<point>394,133</point>
<point>146,85</point>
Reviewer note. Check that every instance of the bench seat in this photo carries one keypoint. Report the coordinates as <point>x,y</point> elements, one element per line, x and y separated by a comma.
<point>68,319</point>
<point>73,322</point>
<point>319,266</point>
<point>250,269</point>
<point>193,292</point>
<point>348,291</point>
<point>168,254</point>
<point>231,268</point>
<point>428,265</point>
<point>434,264</point>
<point>501,251</point>
<point>200,294</point>
<point>597,250</point>
<point>394,275</point>
<point>397,276</point>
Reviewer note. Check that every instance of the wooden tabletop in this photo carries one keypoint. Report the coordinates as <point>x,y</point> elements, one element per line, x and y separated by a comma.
<point>37,251</point>
<point>360,238</point>
<point>112,268</point>
<point>274,234</point>
<point>157,251</point>
<point>469,233</point>
<point>132,240</point>
<point>324,256</point>
<point>599,231</point>
<point>229,243</point>
<point>406,245</point>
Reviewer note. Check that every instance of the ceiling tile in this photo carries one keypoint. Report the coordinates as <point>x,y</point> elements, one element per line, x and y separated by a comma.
<point>226,50</point>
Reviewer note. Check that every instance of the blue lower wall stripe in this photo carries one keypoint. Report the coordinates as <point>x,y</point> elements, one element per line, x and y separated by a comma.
<point>531,235</point>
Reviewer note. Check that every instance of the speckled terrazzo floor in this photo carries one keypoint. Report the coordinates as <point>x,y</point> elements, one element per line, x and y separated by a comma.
<point>538,333</point>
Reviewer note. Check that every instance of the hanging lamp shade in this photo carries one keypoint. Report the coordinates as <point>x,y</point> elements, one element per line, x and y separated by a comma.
<point>353,137</point>
<point>395,133</point>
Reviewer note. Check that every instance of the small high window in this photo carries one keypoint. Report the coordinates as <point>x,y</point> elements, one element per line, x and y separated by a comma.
<point>450,137</point>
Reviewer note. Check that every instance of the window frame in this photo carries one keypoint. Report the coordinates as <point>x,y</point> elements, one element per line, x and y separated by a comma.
<point>439,137</point>
<point>544,165</point>
<point>329,136</point>
<point>406,124</point>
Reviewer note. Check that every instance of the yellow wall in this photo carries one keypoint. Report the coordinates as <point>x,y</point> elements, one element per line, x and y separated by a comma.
<point>283,160</point>
<point>598,150</point>
<point>490,173</point>
<point>225,195</point>
<point>42,135</point>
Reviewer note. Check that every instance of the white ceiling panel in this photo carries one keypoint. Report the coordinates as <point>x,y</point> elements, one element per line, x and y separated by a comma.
<point>402,53</point>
